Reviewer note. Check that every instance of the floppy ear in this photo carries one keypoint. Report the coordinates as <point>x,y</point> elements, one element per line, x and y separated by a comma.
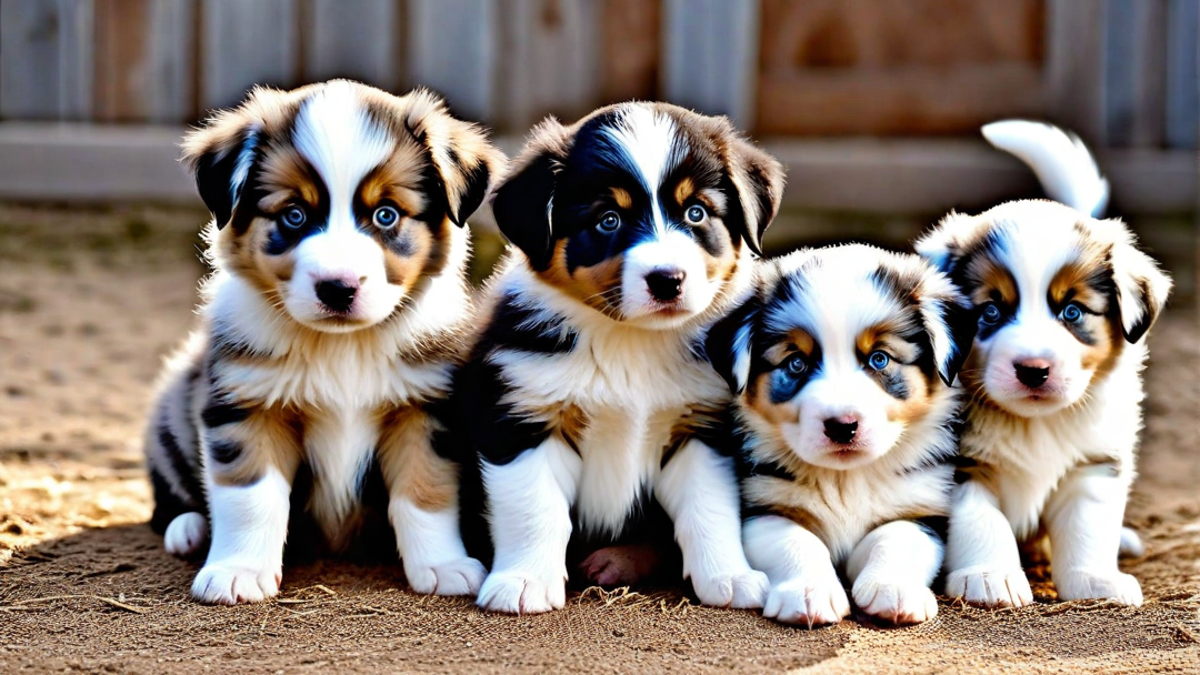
<point>727,345</point>
<point>1142,288</point>
<point>943,245</point>
<point>758,178</point>
<point>522,201</point>
<point>219,156</point>
<point>950,322</point>
<point>465,160</point>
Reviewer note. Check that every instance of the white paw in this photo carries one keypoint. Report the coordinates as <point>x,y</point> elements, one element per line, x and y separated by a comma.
<point>1101,585</point>
<point>226,584</point>
<point>815,603</point>
<point>742,590</point>
<point>460,576</point>
<point>521,592</point>
<point>896,603</point>
<point>186,534</point>
<point>990,587</point>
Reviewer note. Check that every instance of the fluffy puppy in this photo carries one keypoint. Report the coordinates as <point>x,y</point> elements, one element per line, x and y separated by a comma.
<point>1054,385</point>
<point>337,307</point>
<point>635,229</point>
<point>843,361</point>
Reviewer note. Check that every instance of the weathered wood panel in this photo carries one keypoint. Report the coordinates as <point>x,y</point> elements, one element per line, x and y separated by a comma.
<point>710,56</point>
<point>629,63</point>
<point>1134,72</point>
<point>45,63</point>
<point>1183,73</point>
<point>144,61</point>
<point>246,43</point>
<point>1075,67</point>
<point>358,39</point>
<point>452,50</point>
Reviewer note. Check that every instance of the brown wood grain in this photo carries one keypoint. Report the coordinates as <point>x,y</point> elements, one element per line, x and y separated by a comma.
<point>629,50</point>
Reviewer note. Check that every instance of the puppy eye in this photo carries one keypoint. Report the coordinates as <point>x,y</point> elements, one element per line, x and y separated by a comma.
<point>609,222</point>
<point>878,360</point>
<point>991,314</point>
<point>1072,313</point>
<point>294,217</point>
<point>696,214</point>
<point>385,217</point>
<point>795,365</point>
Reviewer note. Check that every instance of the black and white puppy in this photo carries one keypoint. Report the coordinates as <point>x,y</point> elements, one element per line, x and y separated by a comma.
<point>337,308</point>
<point>1054,380</point>
<point>843,361</point>
<point>635,229</point>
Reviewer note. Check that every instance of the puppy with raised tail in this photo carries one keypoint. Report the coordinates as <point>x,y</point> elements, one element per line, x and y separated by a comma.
<point>1053,383</point>
<point>588,394</point>
<point>843,361</point>
<point>337,308</point>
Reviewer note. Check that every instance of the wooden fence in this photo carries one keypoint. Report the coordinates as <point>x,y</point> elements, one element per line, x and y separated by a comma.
<point>1122,72</point>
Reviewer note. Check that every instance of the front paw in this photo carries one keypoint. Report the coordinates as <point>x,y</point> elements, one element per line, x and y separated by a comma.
<point>990,587</point>
<point>521,592</point>
<point>896,603</point>
<point>746,589</point>
<point>186,535</point>
<point>231,584</point>
<point>812,603</point>
<point>1104,585</point>
<point>460,576</point>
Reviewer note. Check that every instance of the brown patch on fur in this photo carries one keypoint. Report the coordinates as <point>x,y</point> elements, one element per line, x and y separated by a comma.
<point>622,197</point>
<point>411,469</point>
<point>684,190</point>
<point>269,437</point>
<point>595,286</point>
<point>758,398</point>
<point>994,282</point>
<point>914,408</point>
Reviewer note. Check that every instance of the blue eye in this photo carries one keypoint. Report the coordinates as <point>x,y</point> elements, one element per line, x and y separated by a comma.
<point>696,214</point>
<point>294,217</point>
<point>795,365</point>
<point>609,222</point>
<point>878,360</point>
<point>1072,313</point>
<point>991,314</point>
<point>385,217</point>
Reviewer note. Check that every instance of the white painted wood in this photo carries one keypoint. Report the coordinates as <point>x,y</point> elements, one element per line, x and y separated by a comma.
<point>357,39</point>
<point>452,49</point>
<point>710,56</point>
<point>46,49</point>
<point>1183,73</point>
<point>243,44</point>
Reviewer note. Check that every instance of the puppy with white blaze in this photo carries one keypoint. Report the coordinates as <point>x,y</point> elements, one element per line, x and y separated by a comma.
<point>335,313</point>
<point>587,395</point>
<point>843,362</point>
<point>1053,383</point>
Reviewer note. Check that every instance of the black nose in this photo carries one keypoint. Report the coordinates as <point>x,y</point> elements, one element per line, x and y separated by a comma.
<point>336,294</point>
<point>665,285</point>
<point>1032,376</point>
<point>839,430</point>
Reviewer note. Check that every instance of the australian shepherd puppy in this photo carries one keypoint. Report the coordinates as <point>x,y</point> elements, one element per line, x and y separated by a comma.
<point>635,229</point>
<point>337,307</point>
<point>843,361</point>
<point>1053,383</point>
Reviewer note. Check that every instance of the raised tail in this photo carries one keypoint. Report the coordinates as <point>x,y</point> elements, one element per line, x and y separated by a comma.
<point>1066,169</point>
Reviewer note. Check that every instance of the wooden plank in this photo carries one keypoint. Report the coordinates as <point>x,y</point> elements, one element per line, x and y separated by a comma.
<point>1183,73</point>
<point>1075,67</point>
<point>1134,72</point>
<point>246,43</point>
<point>630,38</point>
<point>452,50</point>
<point>550,64</point>
<point>356,39</point>
<point>45,63</point>
<point>710,56</point>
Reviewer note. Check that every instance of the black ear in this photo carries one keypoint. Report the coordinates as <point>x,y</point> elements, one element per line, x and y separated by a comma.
<point>522,201</point>
<point>962,322</point>
<point>1142,288</point>
<point>758,178</point>
<point>220,159</point>
<point>728,343</point>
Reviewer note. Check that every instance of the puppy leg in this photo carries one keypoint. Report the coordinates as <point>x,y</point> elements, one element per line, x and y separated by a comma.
<point>423,508</point>
<point>891,569</point>
<point>698,490</point>
<point>805,588</point>
<point>983,564</point>
<point>1083,519</point>
<point>529,505</point>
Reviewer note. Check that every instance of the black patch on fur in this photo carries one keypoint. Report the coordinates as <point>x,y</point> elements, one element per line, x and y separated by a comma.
<point>224,452</point>
<point>520,207</point>
<point>720,342</point>
<point>167,505</point>
<point>219,411</point>
<point>180,464</point>
<point>214,176</point>
<point>473,193</point>
<point>962,323</point>
<point>1147,316</point>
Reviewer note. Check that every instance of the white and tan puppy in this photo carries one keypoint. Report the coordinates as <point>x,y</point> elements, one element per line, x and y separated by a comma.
<point>843,361</point>
<point>1054,380</point>
<point>337,308</point>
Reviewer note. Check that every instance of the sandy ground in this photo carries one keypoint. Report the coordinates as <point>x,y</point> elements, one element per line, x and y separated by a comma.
<point>91,301</point>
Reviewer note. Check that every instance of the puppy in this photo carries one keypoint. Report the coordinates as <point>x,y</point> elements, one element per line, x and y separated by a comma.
<point>843,361</point>
<point>634,229</point>
<point>337,307</point>
<point>1053,382</point>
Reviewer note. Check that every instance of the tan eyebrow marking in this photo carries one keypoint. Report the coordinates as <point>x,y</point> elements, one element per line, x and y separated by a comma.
<point>622,197</point>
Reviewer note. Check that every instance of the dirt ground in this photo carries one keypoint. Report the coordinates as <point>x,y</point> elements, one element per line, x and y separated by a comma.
<point>89,303</point>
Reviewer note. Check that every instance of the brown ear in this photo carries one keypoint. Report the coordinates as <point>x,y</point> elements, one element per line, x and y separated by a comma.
<point>463,156</point>
<point>758,178</point>
<point>521,204</point>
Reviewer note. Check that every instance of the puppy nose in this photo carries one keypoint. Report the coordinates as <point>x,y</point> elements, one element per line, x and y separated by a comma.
<point>841,429</point>
<point>336,294</point>
<point>1032,373</point>
<point>665,284</point>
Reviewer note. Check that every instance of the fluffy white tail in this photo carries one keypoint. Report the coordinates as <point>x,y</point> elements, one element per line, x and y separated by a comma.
<point>1064,166</point>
